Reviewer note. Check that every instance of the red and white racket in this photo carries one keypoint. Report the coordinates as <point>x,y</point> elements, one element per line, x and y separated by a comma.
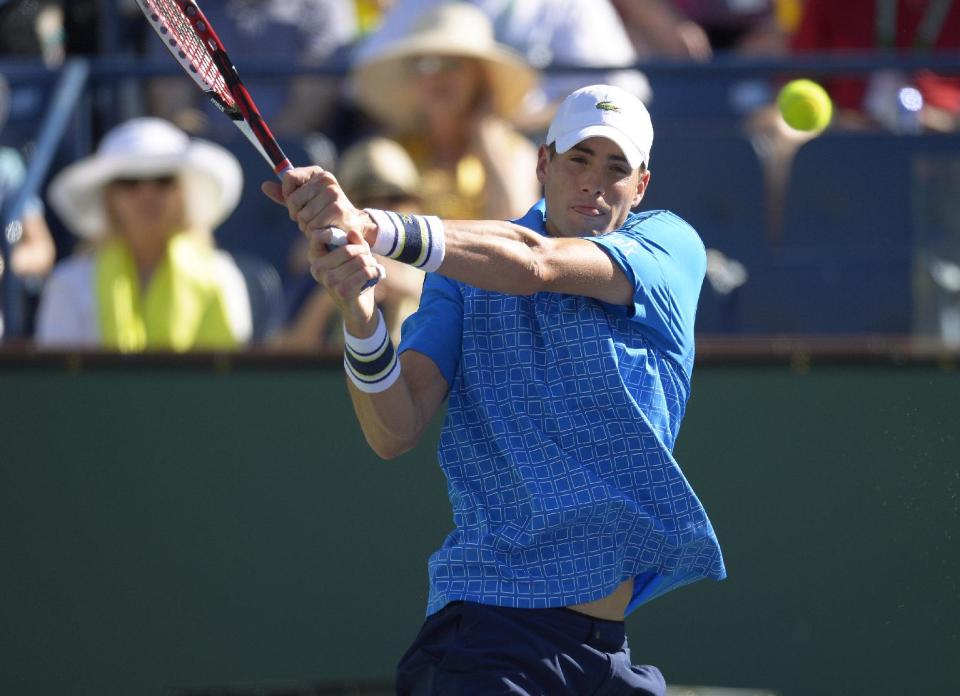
<point>188,36</point>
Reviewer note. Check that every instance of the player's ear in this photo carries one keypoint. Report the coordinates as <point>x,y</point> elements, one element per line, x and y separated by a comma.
<point>543,159</point>
<point>642,182</point>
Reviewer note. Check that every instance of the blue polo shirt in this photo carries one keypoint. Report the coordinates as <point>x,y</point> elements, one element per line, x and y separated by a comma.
<point>561,419</point>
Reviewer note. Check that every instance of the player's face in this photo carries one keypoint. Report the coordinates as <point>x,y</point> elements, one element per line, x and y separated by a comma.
<point>150,208</point>
<point>589,189</point>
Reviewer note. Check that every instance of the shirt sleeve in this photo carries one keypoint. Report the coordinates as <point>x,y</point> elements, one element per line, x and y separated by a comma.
<point>436,328</point>
<point>665,260</point>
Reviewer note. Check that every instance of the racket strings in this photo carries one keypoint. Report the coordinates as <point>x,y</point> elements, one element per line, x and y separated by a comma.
<point>182,40</point>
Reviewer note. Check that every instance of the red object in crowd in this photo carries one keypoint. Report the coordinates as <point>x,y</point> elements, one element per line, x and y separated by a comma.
<point>851,25</point>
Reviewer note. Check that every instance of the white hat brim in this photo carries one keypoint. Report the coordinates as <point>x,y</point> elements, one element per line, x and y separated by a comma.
<point>211,178</point>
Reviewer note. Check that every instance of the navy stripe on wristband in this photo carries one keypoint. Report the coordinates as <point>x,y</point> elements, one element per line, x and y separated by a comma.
<point>370,367</point>
<point>415,241</point>
<point>371,363</point>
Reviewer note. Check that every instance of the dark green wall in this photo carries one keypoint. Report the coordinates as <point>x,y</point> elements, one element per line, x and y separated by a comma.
<point>181,527</point>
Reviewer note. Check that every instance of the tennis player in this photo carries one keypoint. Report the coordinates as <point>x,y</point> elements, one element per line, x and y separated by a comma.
<point>563,343</point>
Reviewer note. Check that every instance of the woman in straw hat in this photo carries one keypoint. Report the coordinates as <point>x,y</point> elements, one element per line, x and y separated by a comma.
<point>448,91</point>
<point>146,202</point>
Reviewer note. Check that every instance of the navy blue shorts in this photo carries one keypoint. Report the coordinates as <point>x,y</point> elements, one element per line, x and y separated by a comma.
<point>469,649</point>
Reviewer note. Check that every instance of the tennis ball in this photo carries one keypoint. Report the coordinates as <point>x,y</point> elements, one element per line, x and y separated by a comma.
<point>805,105</point>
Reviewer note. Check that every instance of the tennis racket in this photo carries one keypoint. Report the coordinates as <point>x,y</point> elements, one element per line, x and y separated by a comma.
<point>187,34</point>
<point>191,40</point>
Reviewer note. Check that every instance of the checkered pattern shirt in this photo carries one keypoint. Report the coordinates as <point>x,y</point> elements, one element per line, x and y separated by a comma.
<point>561,420</point>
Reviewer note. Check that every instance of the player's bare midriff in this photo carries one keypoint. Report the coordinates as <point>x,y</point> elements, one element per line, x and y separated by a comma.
<point>612,607</point>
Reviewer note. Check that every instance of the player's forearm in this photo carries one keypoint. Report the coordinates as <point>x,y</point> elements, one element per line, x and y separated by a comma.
<point>390,420</point>
<point>391,404</point>
<point>500,256</point>
<point>497,256</point>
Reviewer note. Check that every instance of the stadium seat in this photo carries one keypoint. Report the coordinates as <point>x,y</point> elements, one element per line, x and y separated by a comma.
<point>843,264</point>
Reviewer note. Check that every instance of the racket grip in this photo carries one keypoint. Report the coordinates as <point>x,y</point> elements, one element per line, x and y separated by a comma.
<point>282,172</point>
<point>337,239</point>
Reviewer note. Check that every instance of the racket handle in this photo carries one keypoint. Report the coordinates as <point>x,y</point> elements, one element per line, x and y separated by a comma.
<point>282,172</point>
<point>337,238</point>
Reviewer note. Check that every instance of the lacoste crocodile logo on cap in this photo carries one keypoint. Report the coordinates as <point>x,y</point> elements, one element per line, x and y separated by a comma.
<point>608,106</point>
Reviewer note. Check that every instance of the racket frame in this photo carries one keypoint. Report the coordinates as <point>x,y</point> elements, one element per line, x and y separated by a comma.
<point>234,100</point>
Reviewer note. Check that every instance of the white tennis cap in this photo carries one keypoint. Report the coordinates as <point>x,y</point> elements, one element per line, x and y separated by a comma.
<point>607,112</point>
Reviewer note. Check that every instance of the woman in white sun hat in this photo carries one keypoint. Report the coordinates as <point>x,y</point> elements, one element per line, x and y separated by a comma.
<point>149,278</point>
<point>448,92</point>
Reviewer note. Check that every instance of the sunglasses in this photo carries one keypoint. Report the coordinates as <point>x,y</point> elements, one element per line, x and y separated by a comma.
<point>165,181</point>
<point>435,65</point>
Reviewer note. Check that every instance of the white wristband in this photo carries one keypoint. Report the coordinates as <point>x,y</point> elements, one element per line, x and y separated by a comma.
<point>416,240</point>
<point>386,232</point>
<point>371,363</point>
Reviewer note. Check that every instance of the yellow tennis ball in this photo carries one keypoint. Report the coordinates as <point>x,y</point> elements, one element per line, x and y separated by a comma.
<point>805,105</point>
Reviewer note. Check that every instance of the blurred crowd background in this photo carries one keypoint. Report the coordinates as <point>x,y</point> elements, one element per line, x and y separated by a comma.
<point>133,218</point>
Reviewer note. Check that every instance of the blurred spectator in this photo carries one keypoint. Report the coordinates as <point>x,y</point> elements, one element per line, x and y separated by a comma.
<point>33,251</point>
<point>151,279</point>
<point>561,32</point>
<point>33,254</point>
<point>696,29</point>
<point>32,28</point>
<point>296,32</point>
<point>892,99</point>
<point>374,173</point>
<point>657,27</point>
<point>447,92</point>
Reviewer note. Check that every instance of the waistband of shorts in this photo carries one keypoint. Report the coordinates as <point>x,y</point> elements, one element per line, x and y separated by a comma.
<point>603,634</point>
